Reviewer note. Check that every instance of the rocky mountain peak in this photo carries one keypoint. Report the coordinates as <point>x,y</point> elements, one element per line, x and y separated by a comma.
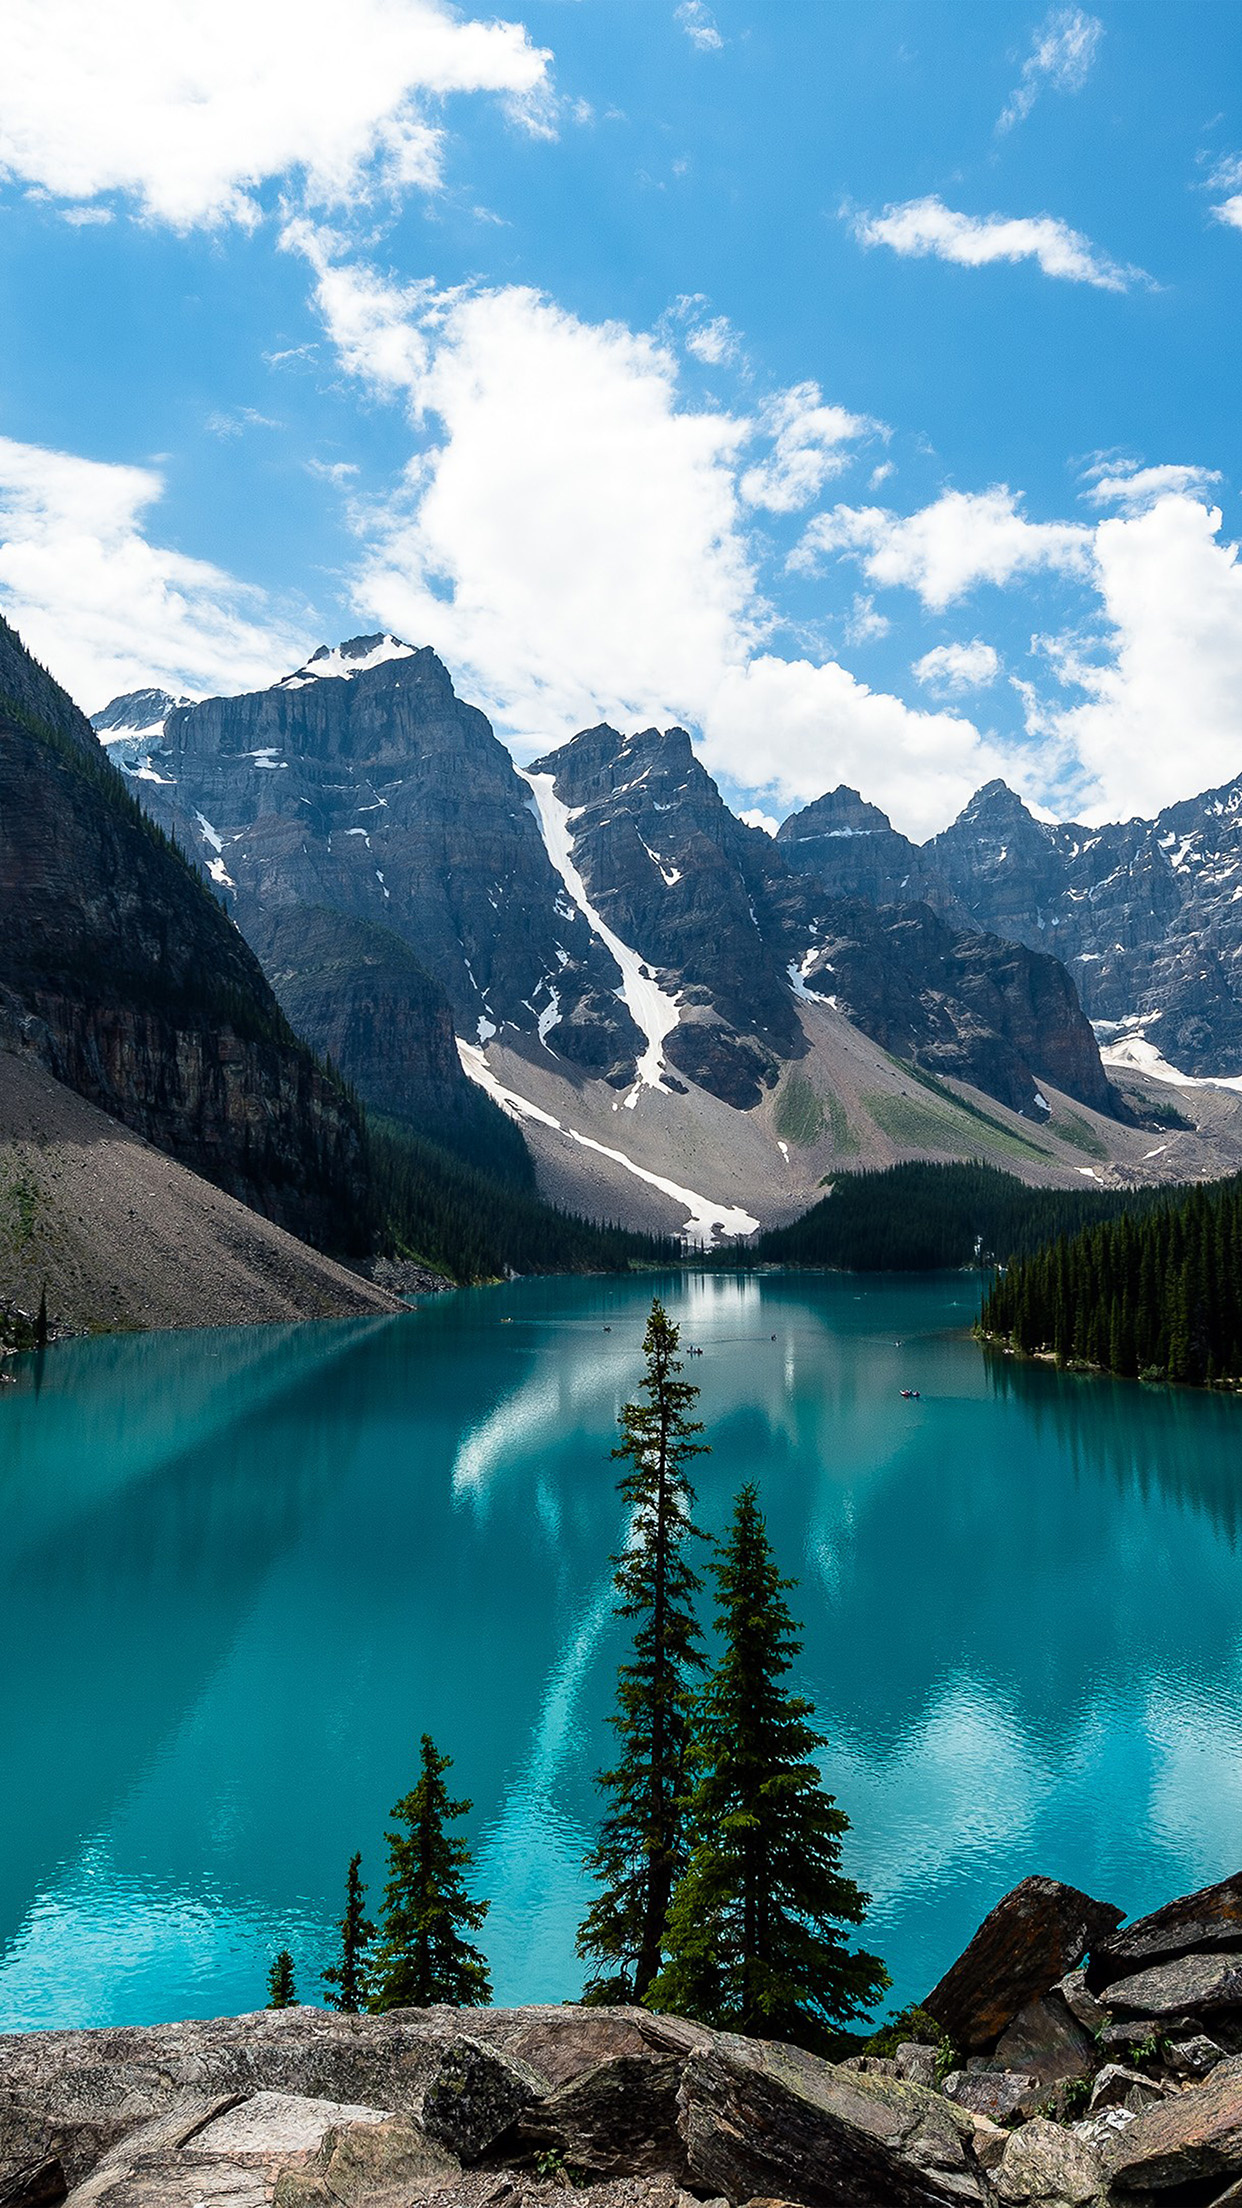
<point>137,713</point>
<point>839,812</point>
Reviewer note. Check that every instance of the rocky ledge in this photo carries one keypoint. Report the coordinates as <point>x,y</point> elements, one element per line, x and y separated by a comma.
<point>1071,2063</point>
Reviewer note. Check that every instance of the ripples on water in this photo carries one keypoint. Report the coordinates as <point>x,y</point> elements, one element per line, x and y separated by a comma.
<point>243,1571</point>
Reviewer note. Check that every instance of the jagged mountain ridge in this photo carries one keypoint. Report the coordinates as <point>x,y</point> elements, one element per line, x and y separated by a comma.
<point>605,908</point>
<point>1146,915</point>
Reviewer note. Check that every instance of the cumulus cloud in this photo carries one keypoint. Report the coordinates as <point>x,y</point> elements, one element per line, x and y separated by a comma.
<point>1163,711</point>
<point>571,535</point>
<point>918,228</point>
<point>699,25</point>
<point>1061,57</point>
<point>946,549</point>
<point>105,608</point>
<point>1230,211</point>
<point>755,817</point>
<point>806,449</point>
<point>189,109</point>
<point>954,669</point>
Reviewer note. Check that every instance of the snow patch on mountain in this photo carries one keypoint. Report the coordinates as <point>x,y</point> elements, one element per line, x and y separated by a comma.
<point>653,1011</point>
<point>705,1220</point>
<point>341,662</point>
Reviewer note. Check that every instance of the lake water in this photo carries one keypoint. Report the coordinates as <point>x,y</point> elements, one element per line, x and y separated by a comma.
<point>241,1572</point>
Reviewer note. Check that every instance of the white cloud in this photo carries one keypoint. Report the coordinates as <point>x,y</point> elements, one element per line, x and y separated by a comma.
<point>190,108</point>
<point>82,218</point>
<point>570,535</point>
<point>1123,484</point>
<point>797,729</point>
<point>107,610</point>
<point>699,25</point>
<point>1230,211</point>
<point>755,817</point>
<point>1163,715</point>
<point>807,437</point>
<point>946,549</point>
<point>865,623</point>
<point>919,227</point>
<point>954,669</point>
<point>1064,49</point>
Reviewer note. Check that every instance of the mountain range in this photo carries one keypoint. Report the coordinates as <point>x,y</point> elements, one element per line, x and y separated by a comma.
<point>692,1018</point>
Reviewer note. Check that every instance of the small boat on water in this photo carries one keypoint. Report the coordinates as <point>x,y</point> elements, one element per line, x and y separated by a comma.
<point>910,1395</point>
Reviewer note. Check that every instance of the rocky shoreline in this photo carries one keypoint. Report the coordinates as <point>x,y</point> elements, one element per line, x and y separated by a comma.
<point>1066,2060</point>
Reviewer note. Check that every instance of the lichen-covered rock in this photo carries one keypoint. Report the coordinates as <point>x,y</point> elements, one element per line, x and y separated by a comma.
<point>1191,2136</point>
<point>917,2062</point>
<point>471,2095</point>
<point>1000,2095</point>
<point>375,2165</point>
<point>1117,2087</point>
<point>1081,2002</point>
<point>1194,2056</point>
<point>1044,2163</point>
<point>1030,1939</point>
<point>1210,1918</point>
<point>773,2121</point>
<point>1192,1985</point>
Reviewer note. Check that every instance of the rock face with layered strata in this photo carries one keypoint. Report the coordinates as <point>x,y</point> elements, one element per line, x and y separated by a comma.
<point>122,975</point>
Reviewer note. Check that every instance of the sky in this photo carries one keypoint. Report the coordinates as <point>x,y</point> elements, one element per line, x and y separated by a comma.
<point>854,382</point>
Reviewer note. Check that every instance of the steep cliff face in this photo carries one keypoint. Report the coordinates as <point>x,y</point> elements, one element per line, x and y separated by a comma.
<point>364,784</point>
<point>358,995</point>
<point>604,907</point>
<point>1145,913</point>
<point>676,875</point>
<point>123,975</point>
<point>854,850</point>
<point>960,1003</point>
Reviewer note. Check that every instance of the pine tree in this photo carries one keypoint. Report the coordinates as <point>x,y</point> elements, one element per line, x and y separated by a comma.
<point>281,1991</point>
<point>754,1941</point>
<point>357,1931</point>
<point>641,1847</point>
<point>422,1957</point>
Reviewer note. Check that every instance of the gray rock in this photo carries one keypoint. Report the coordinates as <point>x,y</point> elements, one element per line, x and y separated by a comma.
<point>1191,1985</point>
<point>918,2063</point>
<point>1000,2095</point>
<point>1046,2038</point>
<point>773,2121</point>
<point>1191,2136</point>
<point>1198,2055</point>
<point>35,2185</point>
<point>1045,2163</point>
<point>1210,1919</point>
<point>1117,2087</point>
<point>473,2095</point>
<point>1082,2003</point>
<point>376,2165</point>
<point>619,2119</point>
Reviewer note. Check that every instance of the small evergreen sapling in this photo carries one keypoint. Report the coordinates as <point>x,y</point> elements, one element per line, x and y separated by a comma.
<point>348,1977</point>
<point>281,1991</point>
<point>422,1957</point>
<point>641,1845</point>
<point>754,1941</point>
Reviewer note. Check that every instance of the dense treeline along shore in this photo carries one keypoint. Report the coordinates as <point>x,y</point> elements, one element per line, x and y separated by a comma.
<point>924,1218</point>
<point>1155,1297</point>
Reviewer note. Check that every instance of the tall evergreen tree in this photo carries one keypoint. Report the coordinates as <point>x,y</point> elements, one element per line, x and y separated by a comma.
<point>422,1956</point>
<point>755,1939</point>
<point>281,1991</point>
<point>641,1847</point>
<point>348,1976</point>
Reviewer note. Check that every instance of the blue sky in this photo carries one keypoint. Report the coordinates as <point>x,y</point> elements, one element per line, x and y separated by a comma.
<point>855,383</point>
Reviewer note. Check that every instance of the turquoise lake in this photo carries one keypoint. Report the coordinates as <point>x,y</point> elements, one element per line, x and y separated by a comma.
<point>243,1571</point>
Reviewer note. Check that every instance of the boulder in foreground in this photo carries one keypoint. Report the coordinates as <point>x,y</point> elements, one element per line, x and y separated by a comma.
<point>1031,1938</point>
